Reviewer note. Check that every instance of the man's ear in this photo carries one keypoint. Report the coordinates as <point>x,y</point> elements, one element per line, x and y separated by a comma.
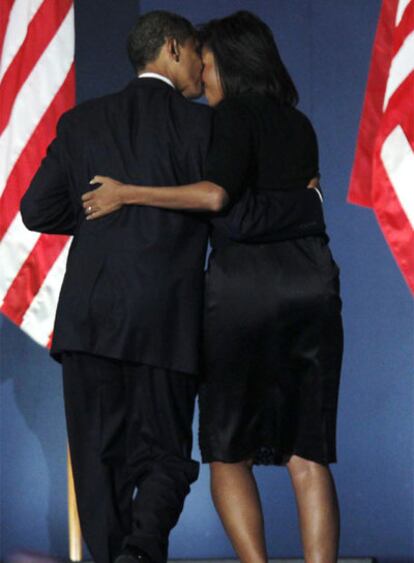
<point>173,49</point>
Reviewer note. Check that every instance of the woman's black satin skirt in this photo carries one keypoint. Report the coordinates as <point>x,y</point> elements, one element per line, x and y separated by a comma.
<point>273,345</point>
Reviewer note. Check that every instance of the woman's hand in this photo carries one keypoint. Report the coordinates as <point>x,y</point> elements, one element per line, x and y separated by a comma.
<point>103,200</point>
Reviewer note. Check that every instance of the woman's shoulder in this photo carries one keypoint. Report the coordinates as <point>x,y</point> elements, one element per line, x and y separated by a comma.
<point>254,103</point>
<point>233,106</point>
<point>253,106</point>
<point>243,112</point>
<point>300,121</point>
<point>285,116</point>
<point>254,112</point>
<point>234,114</point>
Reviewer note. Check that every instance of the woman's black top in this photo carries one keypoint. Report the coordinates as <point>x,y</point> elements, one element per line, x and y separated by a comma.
<point>258,143</point>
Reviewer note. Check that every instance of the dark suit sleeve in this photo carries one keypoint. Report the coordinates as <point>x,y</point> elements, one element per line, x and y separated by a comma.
<point>267,216</point>
<point>47,207</point>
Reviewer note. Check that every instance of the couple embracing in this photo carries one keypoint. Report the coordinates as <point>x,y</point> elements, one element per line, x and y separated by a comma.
<point>141,329</point>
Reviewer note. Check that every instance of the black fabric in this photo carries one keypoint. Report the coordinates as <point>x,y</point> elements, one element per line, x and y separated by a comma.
<point>230,161</point>
<point>258,143</point>
<point>260,216</point>
<point>129,425</point>
<point>134,282</point>
<point>264,155</point>
<point>273,330</point>
<point>273,351</point>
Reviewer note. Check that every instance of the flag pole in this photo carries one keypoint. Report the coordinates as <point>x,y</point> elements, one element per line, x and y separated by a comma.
<point>75,534</point>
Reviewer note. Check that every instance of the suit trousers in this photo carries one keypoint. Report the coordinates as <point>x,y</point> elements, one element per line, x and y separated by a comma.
<point>130,436</point>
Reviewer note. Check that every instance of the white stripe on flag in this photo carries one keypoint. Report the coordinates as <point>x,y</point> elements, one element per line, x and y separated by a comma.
<point>21,15</point>
<point>398,159</point>
<point>36,95</point>
<point>401,67</point>
<point>39,318</point>
<point>402,6</point>
<point>15,247</point>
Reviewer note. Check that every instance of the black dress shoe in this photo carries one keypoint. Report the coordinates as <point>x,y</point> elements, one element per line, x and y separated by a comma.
<point>132,555</point>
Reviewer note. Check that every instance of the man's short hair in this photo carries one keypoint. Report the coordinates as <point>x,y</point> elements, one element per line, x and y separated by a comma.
<point>150,33</point>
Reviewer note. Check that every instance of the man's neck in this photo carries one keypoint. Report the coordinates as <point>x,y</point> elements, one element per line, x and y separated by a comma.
<point>159,69</point>
<point>157,76</point>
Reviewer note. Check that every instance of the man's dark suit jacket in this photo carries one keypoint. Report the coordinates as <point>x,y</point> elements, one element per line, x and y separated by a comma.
<point>134,281</point>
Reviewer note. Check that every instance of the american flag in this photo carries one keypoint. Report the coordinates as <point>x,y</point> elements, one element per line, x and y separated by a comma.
<point>37,84</point>
<point>383,173</point>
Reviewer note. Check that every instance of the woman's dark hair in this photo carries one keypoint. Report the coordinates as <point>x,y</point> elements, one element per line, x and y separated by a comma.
<point>150,32</point>
<point>247,57</point>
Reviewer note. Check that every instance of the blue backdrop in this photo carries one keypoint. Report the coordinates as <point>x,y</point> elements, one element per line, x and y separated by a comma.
<point>326,45</point>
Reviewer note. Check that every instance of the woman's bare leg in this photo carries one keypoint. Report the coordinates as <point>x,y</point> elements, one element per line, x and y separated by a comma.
<point>318,509</point>
<point>236,498</point>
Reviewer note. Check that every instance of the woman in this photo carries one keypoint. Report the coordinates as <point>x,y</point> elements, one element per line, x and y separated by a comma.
<point>273,331</point>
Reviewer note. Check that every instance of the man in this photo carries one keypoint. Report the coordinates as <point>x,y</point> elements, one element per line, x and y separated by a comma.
<point>127,327</point>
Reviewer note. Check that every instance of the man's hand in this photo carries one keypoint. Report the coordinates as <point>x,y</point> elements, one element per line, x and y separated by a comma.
<point>103,200</point>
<point>314,183</point>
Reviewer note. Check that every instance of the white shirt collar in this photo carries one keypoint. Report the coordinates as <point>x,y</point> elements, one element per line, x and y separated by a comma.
<point>156,75</point>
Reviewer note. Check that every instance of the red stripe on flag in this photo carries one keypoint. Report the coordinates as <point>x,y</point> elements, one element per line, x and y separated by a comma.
<point>399,112</point>
<point>40,32</point>
<point>405,27</point>
<point>360,186</point>
<point>6,6</point>
<point>31,276</point>
<point>32,154</point>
